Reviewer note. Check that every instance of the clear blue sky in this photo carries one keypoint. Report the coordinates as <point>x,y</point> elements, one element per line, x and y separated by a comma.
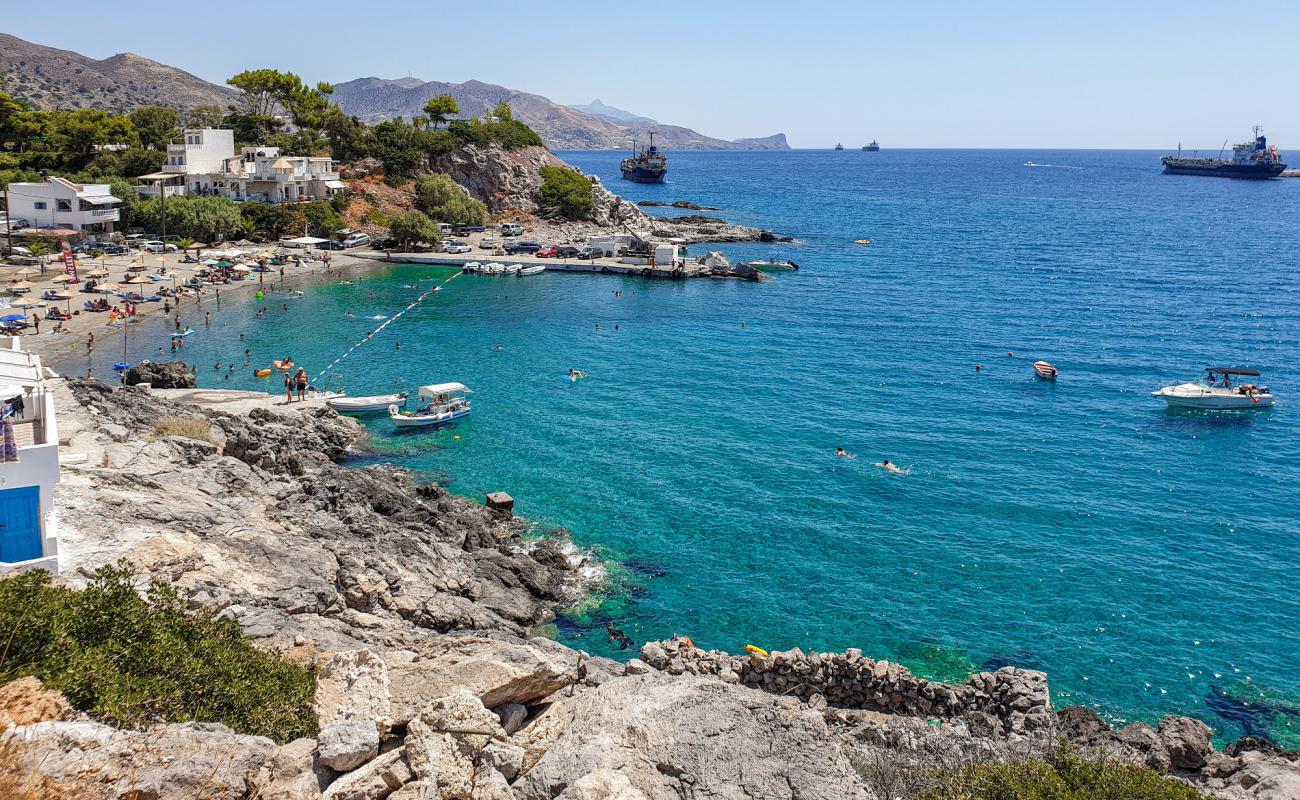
<point>1016,73</point>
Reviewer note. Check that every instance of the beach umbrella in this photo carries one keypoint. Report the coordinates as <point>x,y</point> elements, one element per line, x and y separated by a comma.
<point>137,279</point>
<point>20,286</point>
<point>209,262</point>
<point>98,272</point>
<point>61,279</point>
<point>25,303</point>
<point>24,272</point>
<point>14,318</point>
<point>242,268</point>
<point>63,296</point>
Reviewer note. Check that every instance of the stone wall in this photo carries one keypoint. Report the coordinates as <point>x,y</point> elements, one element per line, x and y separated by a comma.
<point>1010,700</point>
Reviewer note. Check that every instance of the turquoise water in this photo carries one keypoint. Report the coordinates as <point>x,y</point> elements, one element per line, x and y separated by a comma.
<point>1146,559</point>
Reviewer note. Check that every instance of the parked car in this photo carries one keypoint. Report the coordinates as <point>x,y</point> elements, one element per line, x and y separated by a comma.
<point>155,246</point>
<point>466,230</point>
<point>489,243</point>
<point>453,246</point>
<point>588,253</point>
<point>387,244</point>
<point>333,244</point>
<point>357,240</point>
<point>546,251</point>
<point>566,251</point>
<point>109,248</point>
<point>515,248</point>
<point>512,229</point>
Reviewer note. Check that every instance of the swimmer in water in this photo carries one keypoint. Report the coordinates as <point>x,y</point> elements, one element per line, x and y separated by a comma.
<point>574,374</point>
<point>499,347</point>
<point>842,453</point>
<point>891,467</point>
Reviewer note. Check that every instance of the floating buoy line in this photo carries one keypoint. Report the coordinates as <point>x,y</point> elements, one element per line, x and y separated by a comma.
<point>383,325</point>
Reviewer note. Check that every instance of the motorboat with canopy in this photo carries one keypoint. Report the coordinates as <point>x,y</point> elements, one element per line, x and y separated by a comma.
<point>1222,388</point>
<point>443,403</point>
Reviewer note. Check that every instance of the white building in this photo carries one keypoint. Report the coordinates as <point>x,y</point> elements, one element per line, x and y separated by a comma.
<point>192,159</point>
<point>89,209</point>
<point>261,173</point>
<point>30,469</point>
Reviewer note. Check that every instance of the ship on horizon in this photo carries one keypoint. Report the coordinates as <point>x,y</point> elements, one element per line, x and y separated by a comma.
<point>873,147</point>
<point>647,165</point>
<point>1251,160</point>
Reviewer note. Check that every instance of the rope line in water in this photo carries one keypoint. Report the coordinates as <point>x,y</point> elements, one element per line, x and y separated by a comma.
<point>383,325</point>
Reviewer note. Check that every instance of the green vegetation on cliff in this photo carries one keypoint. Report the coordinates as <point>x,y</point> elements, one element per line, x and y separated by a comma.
<point>566,191</point>
<point>1063,776</point>
<point>131,661</point>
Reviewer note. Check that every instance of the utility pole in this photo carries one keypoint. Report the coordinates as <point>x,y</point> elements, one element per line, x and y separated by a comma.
<point>9,219</point>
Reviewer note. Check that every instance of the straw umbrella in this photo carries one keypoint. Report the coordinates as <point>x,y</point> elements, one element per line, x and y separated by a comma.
<point>63,296</point>
<point>98,272</point>
<point>20,286</point>
<point>25,302</point>
<point>61,279</point>
<point>25,272</point>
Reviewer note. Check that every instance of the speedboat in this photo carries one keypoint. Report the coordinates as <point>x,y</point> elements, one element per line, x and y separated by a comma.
<point>363,405</point>
<point>535,269</point>
<point>768,266</point>
<point>1044,370</point>
<point>444,402</point>
<point>1216,391</point>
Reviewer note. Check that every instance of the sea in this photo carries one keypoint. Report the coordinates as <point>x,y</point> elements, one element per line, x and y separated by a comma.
<point>1145,558</point>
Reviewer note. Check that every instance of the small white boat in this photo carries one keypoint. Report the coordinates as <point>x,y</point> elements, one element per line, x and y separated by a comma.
<point>444,402</point>
<point>768,266</point>
<point>1045,371</point>
<point>1216,391</point>
<point>472,266</point>
<point>514,269</point>
<point>535,269</point>
<point>362,405</point>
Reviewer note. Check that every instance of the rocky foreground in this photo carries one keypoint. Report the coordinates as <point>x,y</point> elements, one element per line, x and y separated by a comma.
<point>419,607</point>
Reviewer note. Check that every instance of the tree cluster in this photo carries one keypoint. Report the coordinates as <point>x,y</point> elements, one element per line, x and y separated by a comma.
<point>566,192</point>
<point>443,200</point>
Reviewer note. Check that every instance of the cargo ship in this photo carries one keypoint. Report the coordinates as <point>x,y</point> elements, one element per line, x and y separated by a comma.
<point>647,165</point>
<point>1253,160</point>
<point>873,147</point>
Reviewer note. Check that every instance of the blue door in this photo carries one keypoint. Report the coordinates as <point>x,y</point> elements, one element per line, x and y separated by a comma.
<point>20,524</point>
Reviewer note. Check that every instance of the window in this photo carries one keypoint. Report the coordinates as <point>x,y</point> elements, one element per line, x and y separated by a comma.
<point>40,205</point>
<point>63,205</point>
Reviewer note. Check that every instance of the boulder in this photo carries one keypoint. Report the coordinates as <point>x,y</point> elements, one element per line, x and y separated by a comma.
<point>499,672</point>
<point>374,781</point>
<point>416,790</point>
<point>26,701</point>
<point>353,685</point>
<point>1187,741</point>
<point>444,743</point>
<point>293,773</point>
<point>603,784</point>
<point>1139,743</point>
<point>650,729</point>
<point>346,743</point>
<point>162,375</point>
<point>512,716</point>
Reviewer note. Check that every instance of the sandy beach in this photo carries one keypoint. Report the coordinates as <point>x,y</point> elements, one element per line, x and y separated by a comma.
<point>67,352</point>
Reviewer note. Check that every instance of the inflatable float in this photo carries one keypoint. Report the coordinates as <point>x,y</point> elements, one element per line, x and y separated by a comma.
<point>262,373</point>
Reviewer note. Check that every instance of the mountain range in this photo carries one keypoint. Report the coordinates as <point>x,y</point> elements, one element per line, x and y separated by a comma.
<point>595,126</point>
<point>51,78</point>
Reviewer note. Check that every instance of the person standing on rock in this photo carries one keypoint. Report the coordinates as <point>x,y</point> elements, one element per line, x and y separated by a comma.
<point>288,387</point>
<point>301,380</point>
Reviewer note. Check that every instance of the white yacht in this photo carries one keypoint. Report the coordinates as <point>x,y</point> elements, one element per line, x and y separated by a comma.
<point>1217,390</point>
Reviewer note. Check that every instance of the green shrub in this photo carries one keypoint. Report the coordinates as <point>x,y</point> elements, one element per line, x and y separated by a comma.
<point>1062,776</point>
<point>413,227</point>
<point>566,191</point>
<point>442,199</point>
<point>133,661</point>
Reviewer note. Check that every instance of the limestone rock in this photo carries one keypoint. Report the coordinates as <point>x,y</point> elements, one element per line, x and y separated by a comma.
<point>443,743</point>
<point>1187,740</point>
<point>416,790</point>
<point>512,716</point>
<point>499,672</point>
<point>170,761</point>
<point>505,758</point>
<point>650,728</point>
<point>374,781</point>
<point>162,375</point>
<point>346,743</point>
<point>26,701</point>
<point>293,773</point>
<point>602,784</point>
<point>353,685</point>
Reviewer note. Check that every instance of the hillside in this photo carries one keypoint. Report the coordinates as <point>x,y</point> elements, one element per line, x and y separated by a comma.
<point>51,78</point>
<point>561,127</point>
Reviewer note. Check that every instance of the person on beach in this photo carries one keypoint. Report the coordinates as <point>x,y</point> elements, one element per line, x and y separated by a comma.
<point>207,319</point>
<point>178,320</point>
<point>842,453</point>
<point>90,376</point>
<point>891,467</point>
<point>301,380</point>
<point>288,388</point>
<point>90,343</point>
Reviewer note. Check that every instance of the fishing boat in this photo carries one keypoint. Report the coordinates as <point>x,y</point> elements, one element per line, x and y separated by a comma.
<point>1045,371</point>
<point>365,405</point>
<point>772,266</point>
<point>1216,391</point>
<point>444,402</point>
<point>535,269</point>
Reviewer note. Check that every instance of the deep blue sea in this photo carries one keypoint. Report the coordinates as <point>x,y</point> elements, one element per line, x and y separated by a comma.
<point>1146,559</point>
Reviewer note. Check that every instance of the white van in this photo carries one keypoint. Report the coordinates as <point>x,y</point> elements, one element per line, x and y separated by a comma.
<point>357,240</point>
<point>445,229</point>
<point>512,229</point>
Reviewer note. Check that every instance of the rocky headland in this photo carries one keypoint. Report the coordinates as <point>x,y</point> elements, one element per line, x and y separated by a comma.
<point>421,609</point>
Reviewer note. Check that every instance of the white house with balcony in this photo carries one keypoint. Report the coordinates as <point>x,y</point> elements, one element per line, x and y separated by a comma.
<point>29,462</point>
<point>90,209</point>
<point>261,173</point>
<point>193,158</point>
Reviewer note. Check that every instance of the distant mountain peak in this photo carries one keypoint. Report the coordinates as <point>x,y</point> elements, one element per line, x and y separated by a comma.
<point>611,112</point>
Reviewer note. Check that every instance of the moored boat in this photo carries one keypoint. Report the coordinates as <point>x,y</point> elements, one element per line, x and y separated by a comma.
<point>364,405</point>
<point>444,403</point>
<point>648,165</point>
<point>1216,391</point>
<point>1045,371</point>
<point>772,266</point>
<point>535,269</point>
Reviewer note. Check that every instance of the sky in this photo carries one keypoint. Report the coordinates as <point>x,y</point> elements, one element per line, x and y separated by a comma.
<point>923,73</point>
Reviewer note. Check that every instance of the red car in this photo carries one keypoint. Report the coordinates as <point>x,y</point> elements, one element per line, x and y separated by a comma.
<point>547,251</point>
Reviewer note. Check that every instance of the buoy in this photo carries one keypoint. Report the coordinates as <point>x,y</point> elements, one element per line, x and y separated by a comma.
<point>749,648</point>
<point>862,241</point>
<point>455,437</point>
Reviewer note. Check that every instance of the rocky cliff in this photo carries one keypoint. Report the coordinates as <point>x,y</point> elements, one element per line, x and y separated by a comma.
<point>418,605</point>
